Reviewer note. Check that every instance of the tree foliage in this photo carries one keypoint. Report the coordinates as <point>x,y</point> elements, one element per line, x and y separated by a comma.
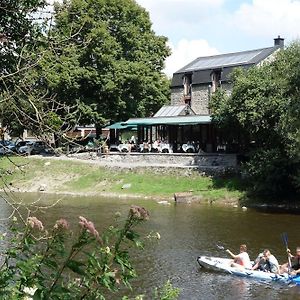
<point>264,109</point>
<point>97,61</point>
<point>19,36</point>
<point>112,59</point>
<point>17,29</point>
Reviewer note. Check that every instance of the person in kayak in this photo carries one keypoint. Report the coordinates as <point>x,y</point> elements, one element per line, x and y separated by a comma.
<point>266,262</point>
<point>242,259</point>
<point>295,263</point>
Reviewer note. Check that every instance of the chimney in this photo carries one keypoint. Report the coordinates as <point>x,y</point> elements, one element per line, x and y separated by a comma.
<point>279,42</point>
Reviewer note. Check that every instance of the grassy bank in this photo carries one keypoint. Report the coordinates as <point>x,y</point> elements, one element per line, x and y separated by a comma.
<point>71,176</point>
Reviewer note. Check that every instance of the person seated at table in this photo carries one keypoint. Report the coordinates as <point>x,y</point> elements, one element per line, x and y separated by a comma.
<point>155,146</point>
<point>241,260</point>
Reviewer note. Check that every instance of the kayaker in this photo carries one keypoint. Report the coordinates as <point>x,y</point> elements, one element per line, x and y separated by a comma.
<point>266,262</point>
<point>242,259</point>
<point>295,263</point>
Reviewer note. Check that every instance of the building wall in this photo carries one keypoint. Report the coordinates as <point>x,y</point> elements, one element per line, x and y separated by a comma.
<point>177,96</point>
<point>200,97</point>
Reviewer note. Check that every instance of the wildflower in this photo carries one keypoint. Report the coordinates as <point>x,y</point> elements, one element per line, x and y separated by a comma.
<point>139,213</point>
<point>29,290</point>
<point>117,214</point>
<point>61,224</point>
<point>2,236</point>
<point>107,250</point>
<point>89,226</point>
<point>117,276</point>
<point>158,235</point>
<point>33,222</point>
<point>14,219</point>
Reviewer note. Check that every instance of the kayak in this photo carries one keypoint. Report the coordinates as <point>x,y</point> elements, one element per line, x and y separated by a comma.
<point>224,265</point>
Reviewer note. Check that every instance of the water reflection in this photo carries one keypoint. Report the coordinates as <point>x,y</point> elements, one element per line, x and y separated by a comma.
<point>188,231</point>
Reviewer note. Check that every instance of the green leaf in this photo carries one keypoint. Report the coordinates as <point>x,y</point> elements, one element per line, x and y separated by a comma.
<point>75,266</point>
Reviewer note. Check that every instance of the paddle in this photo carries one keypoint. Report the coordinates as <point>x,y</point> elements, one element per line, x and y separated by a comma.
<point>285,242</point>
<point>220,247</point>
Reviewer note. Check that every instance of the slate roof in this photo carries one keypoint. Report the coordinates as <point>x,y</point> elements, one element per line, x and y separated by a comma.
<point>202,67</point>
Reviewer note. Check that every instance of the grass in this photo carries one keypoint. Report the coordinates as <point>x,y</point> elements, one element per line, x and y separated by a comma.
<point>80,177</point>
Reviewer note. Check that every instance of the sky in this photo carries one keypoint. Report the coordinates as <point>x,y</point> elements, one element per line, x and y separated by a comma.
<point>197,28</point>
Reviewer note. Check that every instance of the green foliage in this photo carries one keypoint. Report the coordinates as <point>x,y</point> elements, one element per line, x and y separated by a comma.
<point>98,61</point>
<point>19,36</point>
<point>264,111</point>
<point>168,292</point>
<point>16,30</point>
<point>111,61</point>
<point>57,264</point>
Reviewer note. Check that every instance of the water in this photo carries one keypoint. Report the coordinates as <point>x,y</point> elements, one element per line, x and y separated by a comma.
<point>188,231</point>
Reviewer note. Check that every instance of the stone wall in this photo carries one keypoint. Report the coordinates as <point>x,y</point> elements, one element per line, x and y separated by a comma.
<point>200,99</point>
<point>210,163</point>
<point>177,96</point>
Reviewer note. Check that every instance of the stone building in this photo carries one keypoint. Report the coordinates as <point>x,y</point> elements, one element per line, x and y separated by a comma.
<point>197,81</point>
<point>187,120</point>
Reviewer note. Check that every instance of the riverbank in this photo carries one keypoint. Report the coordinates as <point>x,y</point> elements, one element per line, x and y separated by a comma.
<point>63,175</point>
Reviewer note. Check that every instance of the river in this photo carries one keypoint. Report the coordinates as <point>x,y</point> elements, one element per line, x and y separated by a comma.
<point>188,231</point>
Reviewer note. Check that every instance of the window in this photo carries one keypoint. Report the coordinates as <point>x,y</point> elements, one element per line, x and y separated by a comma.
<point>187,88</point>
<point>215,80</point>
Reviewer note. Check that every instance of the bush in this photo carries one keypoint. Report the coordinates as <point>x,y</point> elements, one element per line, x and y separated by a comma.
<point>57,264</point>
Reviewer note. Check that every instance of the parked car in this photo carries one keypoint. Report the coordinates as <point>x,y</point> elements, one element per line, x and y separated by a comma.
<point>7,147</point>
<point>21,144</point>
<point>33,147</point>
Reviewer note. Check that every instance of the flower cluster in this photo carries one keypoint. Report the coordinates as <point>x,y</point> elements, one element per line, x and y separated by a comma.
<point>33,222</point>
<point>61,224</point>
<point>139,213</point>
<point>89,226</point>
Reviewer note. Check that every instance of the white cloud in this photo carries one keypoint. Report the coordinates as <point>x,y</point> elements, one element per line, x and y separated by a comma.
<point>186,51</point>
<point>168,16</point>
<point>269,18</point>
<point>153,3</point>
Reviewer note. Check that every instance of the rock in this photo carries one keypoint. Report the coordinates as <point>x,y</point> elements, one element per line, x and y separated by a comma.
<point>184,197</point>
<point>244,208</point>
<point>164,202</point>
<point>47,163</point>
<point>42,187</point>
<point>126,186</point>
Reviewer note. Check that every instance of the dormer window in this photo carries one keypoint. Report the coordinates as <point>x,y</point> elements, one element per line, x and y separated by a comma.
<point>215,80</point>
<point>187,88</point>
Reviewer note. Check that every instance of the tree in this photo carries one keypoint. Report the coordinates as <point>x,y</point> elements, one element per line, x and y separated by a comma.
<point>264,107</point>
<point>18,34</point>
<point>17,29</point>
<point>111,62</point>
<point>101,61</point>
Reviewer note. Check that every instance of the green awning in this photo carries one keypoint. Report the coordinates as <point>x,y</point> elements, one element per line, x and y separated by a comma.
<point>177,120</point>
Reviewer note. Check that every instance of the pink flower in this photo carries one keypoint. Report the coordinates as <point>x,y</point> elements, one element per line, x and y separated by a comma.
<point>33,222</point>
<point>61,224</point>
<point>138,212</point>
<point>89,226</point>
